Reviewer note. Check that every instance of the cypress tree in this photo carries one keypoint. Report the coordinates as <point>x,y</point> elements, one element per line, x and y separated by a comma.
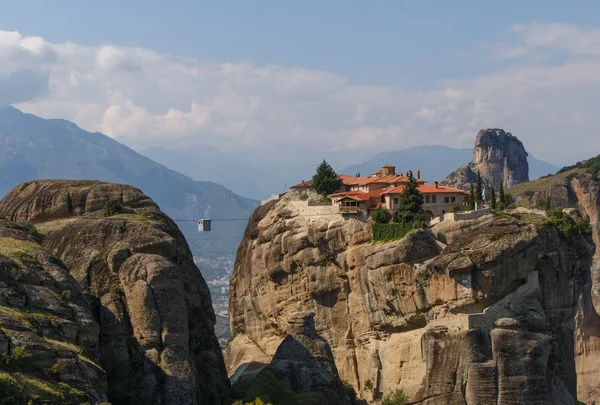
<point>478,189</point>
<point>472,197</point>
<point>410,204</point>
<point>501,197</point>
<point>326,180</point>
<point>492,198</point>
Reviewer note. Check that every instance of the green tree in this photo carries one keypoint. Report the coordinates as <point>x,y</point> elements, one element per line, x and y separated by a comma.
<point>472,197</point>
<point>382,216</point>
<point>9,390</point>
<point>501,197</point>
<point>478,189</point>
<point>410,204</point>
<point>492,198</point>
<point>395,398</point>
<point>326,180</point>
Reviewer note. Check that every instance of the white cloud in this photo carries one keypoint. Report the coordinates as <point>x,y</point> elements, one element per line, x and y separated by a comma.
<point>144,98</point>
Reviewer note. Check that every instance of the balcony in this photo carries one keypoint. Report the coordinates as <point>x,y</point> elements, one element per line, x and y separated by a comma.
<point>349,210</point>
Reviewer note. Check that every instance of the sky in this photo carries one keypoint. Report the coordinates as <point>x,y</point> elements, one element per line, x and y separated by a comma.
<point>283,79</point>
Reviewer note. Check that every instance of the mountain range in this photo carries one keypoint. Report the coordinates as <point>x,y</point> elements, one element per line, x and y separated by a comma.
<point>254,176</point>
<point>35,148</point>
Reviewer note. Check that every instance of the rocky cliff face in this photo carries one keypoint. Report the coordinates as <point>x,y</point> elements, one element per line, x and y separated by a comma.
<point>305,363</point>
<point>111,306</point>
<point>471,312</point>
<point>498,156</point>
<point>577,189</point>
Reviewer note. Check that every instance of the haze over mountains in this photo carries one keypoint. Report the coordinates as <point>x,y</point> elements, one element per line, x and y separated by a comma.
<point>33,148</point>
<point>255,179</point>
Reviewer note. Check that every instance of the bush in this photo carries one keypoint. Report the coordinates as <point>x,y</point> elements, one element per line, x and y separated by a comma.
<point>16,354</point>
<point>265,388</point>
<point>395,398</point>
<point>368,385</point>
<point>112,207</point>
<point>31,230</point>
<point>456,207</point>
<point>563,222</point>
<point>382,216</point>
<point>389,232</point>
<point>9,390</point>
<point>303,197</point>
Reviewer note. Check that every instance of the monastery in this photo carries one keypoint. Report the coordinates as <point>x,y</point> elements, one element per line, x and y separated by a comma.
<point>360,195</point>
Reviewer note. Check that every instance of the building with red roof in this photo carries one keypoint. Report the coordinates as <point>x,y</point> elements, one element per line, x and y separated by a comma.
<point>382,189</point>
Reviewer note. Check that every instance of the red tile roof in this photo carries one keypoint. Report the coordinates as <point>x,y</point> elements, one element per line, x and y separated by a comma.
<point>427,189</point>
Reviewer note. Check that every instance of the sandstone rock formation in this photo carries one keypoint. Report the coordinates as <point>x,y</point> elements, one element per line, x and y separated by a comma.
<point>497,156</point>
<point>577,189</point>
<point>305,362</point>
<point>471,312</point>
<point>111,305</point>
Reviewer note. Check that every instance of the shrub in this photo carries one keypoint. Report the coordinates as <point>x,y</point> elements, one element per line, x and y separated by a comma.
<point>389,232</point>
<point>265,388</point>
<point>395,398</point>
<point>382,216</point>
<point>456,207</point>
<point>111,207</point>
<point>368,385</point>
<point>9,390</point>
<point>16,354</point>
<point>31,230</point>
<point>303,197</point>
<point>529,193</point>
<point>563,222</point>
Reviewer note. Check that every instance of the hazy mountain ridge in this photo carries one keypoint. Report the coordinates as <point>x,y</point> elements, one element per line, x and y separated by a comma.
<point>435,162</point>
<point>35,148</point>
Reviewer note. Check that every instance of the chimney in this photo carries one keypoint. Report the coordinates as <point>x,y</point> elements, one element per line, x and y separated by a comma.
<point>401,174</point>
<point>436,184</point>
<point>418,174</point>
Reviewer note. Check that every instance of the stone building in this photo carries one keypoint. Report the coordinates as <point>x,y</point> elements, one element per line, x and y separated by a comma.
<point>383,188</point>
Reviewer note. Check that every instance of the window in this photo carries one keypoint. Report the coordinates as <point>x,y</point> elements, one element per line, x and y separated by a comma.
<point>452,199</point>
<point>427,199</point>
<point>396,201</point>
<point>447,200</point>
<point>433,199</point>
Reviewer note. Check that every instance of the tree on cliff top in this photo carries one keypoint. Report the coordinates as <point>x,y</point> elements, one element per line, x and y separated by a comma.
<point>326,180</point>
<point>478,189</point>
<point>410,205</point>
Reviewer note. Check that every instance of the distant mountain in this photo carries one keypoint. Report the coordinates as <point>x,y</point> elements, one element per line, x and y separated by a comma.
<point>35,148</point>
<point>435,162</point>
<point>207,162</point>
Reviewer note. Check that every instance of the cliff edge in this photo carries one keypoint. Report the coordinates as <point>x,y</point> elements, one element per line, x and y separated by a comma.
<point>100,300</point>
<point>478,311</point>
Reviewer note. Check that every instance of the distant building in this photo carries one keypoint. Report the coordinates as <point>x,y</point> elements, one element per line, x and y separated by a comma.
<point>383,188</point>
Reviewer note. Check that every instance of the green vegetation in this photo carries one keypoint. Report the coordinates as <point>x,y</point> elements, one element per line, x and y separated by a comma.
<point>303,197</point>
<point>395,398</point>
<point>37,391</point>
<point>478,189</point>
<point>20,251</point>
<point>410,204</point>
<point>528,189</point>
<point>456,207</point>
<point>17,315</point>
<point>390,232</point>
<point>31,230</point>
<point>472,197</point>
<point>112,207</point>
<point>492,198</point>
<point>351,392</point>
<point>567,225</point>
<point>265,388</point>
<point>17,354</point>
<point>501,196</point>
<point>326,180</point>
<point>368,385</point>
<point>9,390</point>
<point>382,216</point>
<point>591,165</point>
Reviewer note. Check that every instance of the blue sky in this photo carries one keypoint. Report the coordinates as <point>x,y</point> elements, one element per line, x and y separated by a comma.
<point>337,74</point>
<point>402,43</point>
